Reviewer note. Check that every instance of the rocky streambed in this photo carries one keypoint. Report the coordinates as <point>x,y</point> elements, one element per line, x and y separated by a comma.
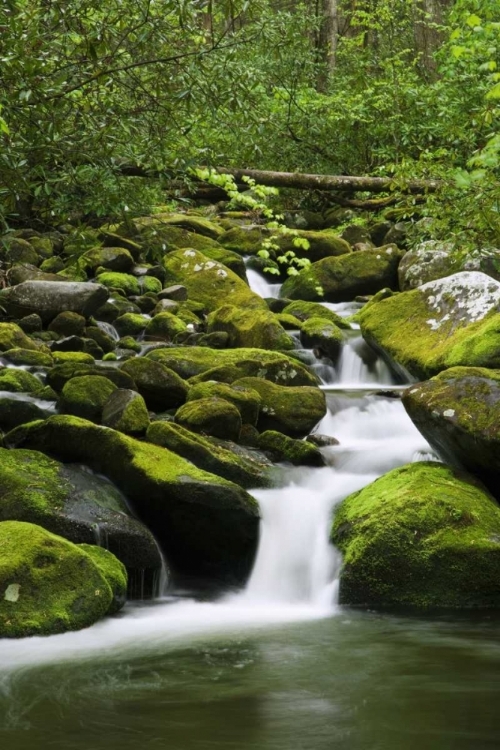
<point>146,392</point>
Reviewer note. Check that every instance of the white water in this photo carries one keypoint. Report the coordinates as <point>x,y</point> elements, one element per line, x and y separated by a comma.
<point>261,285</point>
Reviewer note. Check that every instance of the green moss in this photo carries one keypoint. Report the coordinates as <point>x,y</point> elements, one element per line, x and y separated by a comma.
<point>59,375</point>
<point>28,357</point>
<point>68,324</point>
<point>128,342</point>
<point>48,584</point>
<point>13,337</point>
<point>18,381</point>
<point>124,281</point>
<point>230,260</point>
<point>257,329</point>
<point>208,281</point>
<point>160,386</point>
<point>211,416</point>
<point>86,395</point>
<point>289,322</point>
<point>205,454</point>
<point>246,400</point>
<point>112,570</point>
<point>421,536</point>
<point>126,411</point>
<point>229,365</point>
<point>196,224</point>
<point>165,326</point>
<point>292,411</point>
<point>150,284</point>
<point>284,448</point>
<point>305,310</point>
<point>246,240</point>
<point>111,258</point>
<point>60,357</point>
<point>322,335</point>
<point>131,324</point>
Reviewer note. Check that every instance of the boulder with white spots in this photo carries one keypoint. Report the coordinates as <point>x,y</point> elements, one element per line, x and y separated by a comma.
<point>433,260</point>
<point>450,322</point>
<point>458,412</point>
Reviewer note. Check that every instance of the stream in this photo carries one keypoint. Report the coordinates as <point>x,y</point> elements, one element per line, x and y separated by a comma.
<point>279,665</point>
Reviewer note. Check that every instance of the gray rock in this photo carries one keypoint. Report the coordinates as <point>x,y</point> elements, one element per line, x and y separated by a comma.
<point>48,298</point>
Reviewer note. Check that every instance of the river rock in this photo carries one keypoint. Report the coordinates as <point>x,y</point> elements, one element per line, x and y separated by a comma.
<point>85,396</point>
<point>422,536</point>
<point>49,298</point>
<point>126,411</point>
<point>249,328</point>
<point>283,448</point>
<point>160,386</point>
<point>432,260</point>
<point>246,400</point>
<point>50,585</point>
<point>458,413</point>
<point>211,416</point>
<point>343,278</point>
<point>206,526</point>
<point>322,336</point>
<point>445,323</point>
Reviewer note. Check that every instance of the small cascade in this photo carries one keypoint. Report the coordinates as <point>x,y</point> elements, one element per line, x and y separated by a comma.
<point>261,285</point>
<point>359,364</point>
<point>108,329</point>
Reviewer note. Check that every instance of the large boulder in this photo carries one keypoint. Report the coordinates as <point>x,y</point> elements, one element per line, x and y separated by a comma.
<point>343,278</point>
<point>249,328</point>
<point>421,536</point>
<point>86,396</point>
<point>432,260</point>
<point>292,411</point>
<point>206,526</point>
<point>74,503</point>
<point>126,411</point>
<point>50,585</point>
<point>224,459</point>
<point>458,412</point>
<point>160,386</point>
<point>209,281</point>
<point>49,298</point>
<point>445,323</point>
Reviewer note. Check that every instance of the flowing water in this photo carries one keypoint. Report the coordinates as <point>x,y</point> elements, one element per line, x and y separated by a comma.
<point>278,666</point>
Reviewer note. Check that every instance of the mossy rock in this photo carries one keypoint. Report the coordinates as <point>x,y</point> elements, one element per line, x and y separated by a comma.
<point>304,310</point>
<point>15,411</point>
<point>157,235</point>
<point>322,336</point>
<point>73,503</point>
<point>111,258</point>
<point>451,322</point>
<point>229,365</point>
<point>206,526</point>
<point>131,324</point>
<point>230,260</point>
<point>244,240</point>
<point>101,338</point>
<point>458,413</point>
<point>433,260</point>
<point>160,386</point>
<point>28,357</point>
<point>128,342</point>
<point>343,278</point>
<point>13,337</point>
<point>112,309</point>
<point>246,400</point>
<point>422,536</point>
<point>68,324</point>
<point>211,416</point>
<point>59,375</point>
<point>127,283</point>
<point>292,411</point>
<point>197,224</point>
<point>126,411</point>
<point>149,284</point>
<point>257,329</point>
<point>165,327</point>
<point>111,239</point>
<point>77,357</point>
<point>48,584</point>
<point>284,448</point>
<point>323,244</point>
<point>289,322</point>
<point>113,571</point>
<point>246,471</point>
<point>86,396</point>
<point>19,381</point>
<point>209,281</point>
<point>44,247</point>
<point>16,250</point>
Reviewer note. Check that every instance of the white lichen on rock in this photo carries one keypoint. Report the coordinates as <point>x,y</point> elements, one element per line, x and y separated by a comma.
<point>464,297</point>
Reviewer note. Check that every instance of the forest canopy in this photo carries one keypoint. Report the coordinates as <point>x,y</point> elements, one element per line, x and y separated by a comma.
<point>400,88</point>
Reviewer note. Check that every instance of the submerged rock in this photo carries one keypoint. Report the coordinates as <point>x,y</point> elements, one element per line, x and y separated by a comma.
<point>446,323</point>
<point>50,585</point>
<point>421,536</point>
<point>206,526</point>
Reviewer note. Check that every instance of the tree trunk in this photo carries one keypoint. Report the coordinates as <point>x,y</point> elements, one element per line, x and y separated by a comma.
<point>327,43</point>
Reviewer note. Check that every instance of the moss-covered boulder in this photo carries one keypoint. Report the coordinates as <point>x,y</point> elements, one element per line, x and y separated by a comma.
<point>229,365</point>
<point>323,336</point>
<point>343,278</point>
<point>131,324</point>
<point>59,375</point>
<point>19,381</point>
<point>432,260</point>
<point>249,328</point>
<point>16,250</point>
<point>446,323</point>
<point>283,448</point>
<point>206,526</point>
<point>292,411</point>
<point>209,281</point>
<point>49,585</point>
<point>323,244</point>
<point>165,327</point>
<point>126,411</point>
<point>113,571</point>
<point>15,411</point>
<point>421,536</point>
<point>225,460</point>
<point>304,310</point>
<point>75,504</point>
<point>458,413</point>
<point>85,396</point>
<point>49,298</point>
<point>245,240</point>
<point>211,416</point>
<point>156,234</point>
<point>13,337</point>
<point>246,400</point>
<point>68,324</point>
<point>160,386</point>
<point>127,283</point>
<point>111,258</point>
<point>230,260</point>
<point>191,222</point>
<point>28,357</point>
